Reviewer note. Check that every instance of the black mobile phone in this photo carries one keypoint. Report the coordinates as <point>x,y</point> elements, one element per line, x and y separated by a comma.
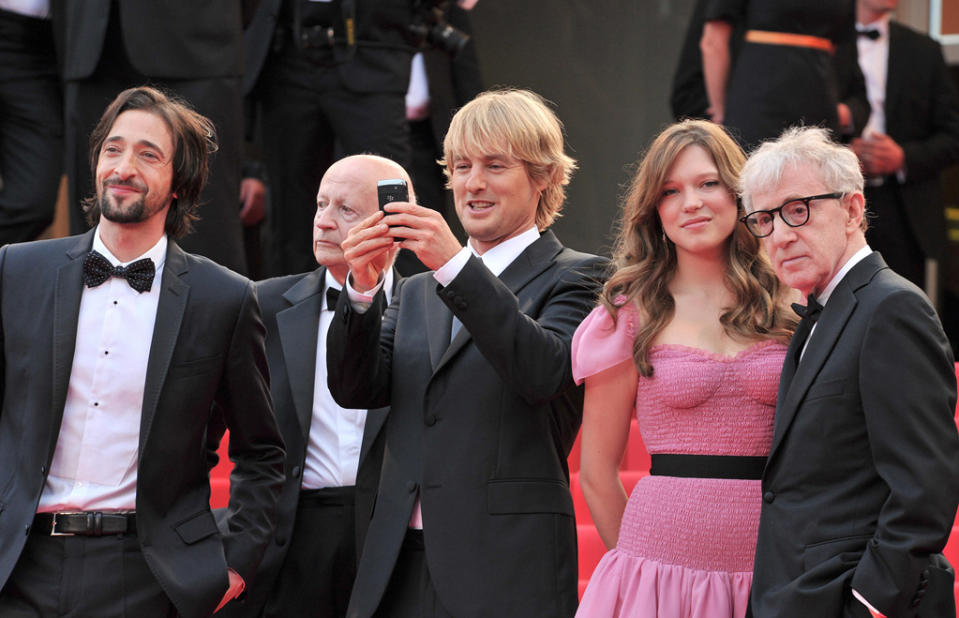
<point>394,190</point>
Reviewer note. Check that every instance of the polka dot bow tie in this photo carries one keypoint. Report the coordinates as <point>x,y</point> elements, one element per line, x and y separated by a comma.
<point>97,269</point>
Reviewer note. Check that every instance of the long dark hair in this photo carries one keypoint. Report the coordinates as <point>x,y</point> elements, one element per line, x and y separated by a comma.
<point>645,259</point>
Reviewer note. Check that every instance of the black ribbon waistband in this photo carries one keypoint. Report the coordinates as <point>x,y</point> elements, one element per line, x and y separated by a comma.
<point>707,466</point>
<point>327,496</point>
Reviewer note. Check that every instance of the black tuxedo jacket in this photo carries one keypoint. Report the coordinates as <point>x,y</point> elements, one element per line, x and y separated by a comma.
<point>291,312</point>
<point>922,116</point>
<point>479,428</point>
<point>207,349</point>
<point>862,481</point>
<point>173,39</point>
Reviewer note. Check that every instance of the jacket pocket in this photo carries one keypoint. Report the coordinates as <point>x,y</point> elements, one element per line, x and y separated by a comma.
<point>196,528</point>
<point>529,496</point>
<point>196,366</point>
<point>826,388</point>
<point>848,549</point>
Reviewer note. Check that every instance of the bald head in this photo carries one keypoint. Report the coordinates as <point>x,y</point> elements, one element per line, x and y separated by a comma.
<point>347,195</point>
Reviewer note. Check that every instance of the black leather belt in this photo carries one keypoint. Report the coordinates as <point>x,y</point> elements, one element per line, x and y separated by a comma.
<point>86,523</point>
<point>707,466</point>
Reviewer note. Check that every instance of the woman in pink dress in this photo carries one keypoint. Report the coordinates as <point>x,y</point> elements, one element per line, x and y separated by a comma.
<point>690,336</point>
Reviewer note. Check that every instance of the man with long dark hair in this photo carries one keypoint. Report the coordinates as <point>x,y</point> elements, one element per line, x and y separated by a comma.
<point>116,346</point>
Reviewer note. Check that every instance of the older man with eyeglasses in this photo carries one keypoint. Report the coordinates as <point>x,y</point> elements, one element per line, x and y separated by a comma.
<point>862,483</point>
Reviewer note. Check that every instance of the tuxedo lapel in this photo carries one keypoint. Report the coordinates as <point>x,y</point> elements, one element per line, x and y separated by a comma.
<point>299,328</point>
<point>66,314</point>
<point>839,308</point>
<point>174,294</point>
<point>528,265</point>
<point>439,324</point>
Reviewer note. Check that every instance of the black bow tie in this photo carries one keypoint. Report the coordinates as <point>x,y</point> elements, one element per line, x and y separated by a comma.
<point>809,311</point>
<point>871,33</point>
<point>97,269</point>
<point>332,295</point>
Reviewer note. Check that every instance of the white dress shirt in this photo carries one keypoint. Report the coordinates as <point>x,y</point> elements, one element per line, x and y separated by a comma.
<point>30,8</point>
<point>94,465</point>
<point>336,433</point>
<point>874,62</point>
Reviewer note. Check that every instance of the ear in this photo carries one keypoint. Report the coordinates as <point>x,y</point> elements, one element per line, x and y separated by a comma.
<point>855,205</point>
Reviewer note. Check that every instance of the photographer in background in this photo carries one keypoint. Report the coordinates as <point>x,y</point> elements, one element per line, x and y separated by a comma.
<point>324,95</point>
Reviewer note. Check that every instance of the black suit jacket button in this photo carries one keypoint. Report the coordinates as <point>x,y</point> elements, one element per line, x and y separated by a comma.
<point>430,420</point>
<point>295,472</point>
<point>43,469</point>
<point>768,497</point>
<point>281,541</point>
<point>410,486</point>
<point>460,302</point>
<point>26,530</point>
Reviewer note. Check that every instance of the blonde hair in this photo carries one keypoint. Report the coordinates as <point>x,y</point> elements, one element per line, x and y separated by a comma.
<point>519,124</point>
<point>645,259</point>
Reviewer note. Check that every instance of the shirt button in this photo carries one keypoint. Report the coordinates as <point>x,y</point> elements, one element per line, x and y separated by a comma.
<point>43,469</point>
<point>768,497</point>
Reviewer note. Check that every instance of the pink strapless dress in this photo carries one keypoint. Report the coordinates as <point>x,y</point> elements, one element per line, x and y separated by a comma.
<point>686,545</point>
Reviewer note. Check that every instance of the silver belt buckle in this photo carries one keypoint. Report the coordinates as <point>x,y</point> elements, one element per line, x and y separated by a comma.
<point>53,528</point>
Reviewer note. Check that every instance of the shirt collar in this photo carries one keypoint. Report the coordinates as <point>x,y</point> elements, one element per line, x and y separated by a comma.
<point>503,254</point>
<point>157,252</point>
<point>857,257</point>
<point>331,282</point>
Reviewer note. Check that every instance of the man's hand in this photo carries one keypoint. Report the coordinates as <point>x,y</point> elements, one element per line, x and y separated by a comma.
<point>252,201</point>
<point>879,154</point>
<point>236,587</point>
<point>369,250</point>
<point>424,232</point>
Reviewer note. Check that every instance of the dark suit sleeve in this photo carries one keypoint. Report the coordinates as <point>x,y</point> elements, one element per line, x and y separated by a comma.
<point>359,351</point>
<point>936,143</point>
<point>256,447</point>
<point>852,85</point>
<point>908,385</point>
<point>530,355</point>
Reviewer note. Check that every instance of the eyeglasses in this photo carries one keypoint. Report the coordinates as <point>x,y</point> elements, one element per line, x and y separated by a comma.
<point>794,213</point>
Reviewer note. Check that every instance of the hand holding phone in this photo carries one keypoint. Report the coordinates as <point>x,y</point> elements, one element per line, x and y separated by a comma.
<point>393,190</point>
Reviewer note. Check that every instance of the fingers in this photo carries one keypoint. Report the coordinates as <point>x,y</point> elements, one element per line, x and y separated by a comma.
<point>368,250</point>
<point>424,231</point>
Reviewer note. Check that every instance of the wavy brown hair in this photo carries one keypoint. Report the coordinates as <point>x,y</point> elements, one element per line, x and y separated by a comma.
<point>645,259</point>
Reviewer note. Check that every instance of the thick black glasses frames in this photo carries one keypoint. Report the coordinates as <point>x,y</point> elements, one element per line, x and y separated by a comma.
<point>794,213</point>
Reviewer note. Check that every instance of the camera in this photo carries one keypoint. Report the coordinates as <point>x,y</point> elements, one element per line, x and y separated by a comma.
<point>430,27</point>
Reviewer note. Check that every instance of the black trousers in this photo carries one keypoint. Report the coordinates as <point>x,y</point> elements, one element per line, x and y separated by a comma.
<point>218,234</point>
<point>310,118</point>
<point>31,127</point>
<point>320,565</point>
<point>410,593</point>
<point>82,577</point>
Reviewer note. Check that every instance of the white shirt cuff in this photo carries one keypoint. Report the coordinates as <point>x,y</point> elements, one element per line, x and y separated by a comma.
<point>361,301</point>
<point>445,274</point>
